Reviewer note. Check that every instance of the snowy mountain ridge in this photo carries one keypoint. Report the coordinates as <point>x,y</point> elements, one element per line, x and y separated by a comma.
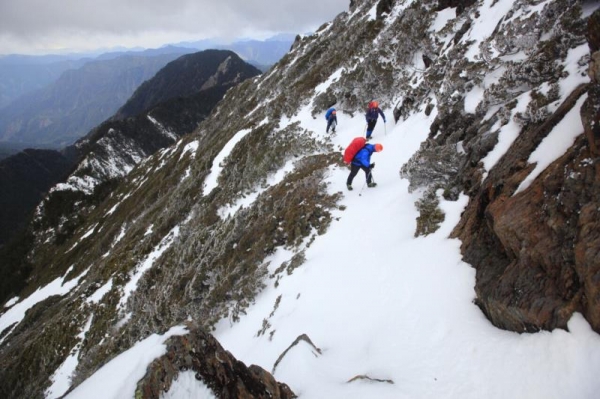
<point>245,228</point>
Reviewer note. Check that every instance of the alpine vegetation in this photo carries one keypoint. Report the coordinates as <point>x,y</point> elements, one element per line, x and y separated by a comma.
<point>466,271</point>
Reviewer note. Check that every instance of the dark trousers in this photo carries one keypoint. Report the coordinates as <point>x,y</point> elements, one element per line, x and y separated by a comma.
<point>371,126</point>
<point>354,170</point>
<point>331,123</point>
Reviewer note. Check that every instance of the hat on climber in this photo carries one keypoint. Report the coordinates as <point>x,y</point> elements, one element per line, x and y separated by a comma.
<point>378,147</point>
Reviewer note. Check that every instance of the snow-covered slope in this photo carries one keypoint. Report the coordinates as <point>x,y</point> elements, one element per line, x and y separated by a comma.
<point>247,228</point>
<point>394,310</point>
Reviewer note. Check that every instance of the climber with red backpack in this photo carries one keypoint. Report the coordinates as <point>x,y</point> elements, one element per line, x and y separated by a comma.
<point>361,159</point>
<point>373,112</point>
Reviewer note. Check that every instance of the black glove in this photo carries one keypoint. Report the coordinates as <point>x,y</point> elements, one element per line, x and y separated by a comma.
<point>372,165</point>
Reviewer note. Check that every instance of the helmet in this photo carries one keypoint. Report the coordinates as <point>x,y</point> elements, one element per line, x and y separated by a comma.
<point>374,104</point>
<point>378,147</point>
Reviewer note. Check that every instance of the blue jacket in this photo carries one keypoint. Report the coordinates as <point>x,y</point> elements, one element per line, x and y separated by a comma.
<point>363,157</point>
<point>373,113</point>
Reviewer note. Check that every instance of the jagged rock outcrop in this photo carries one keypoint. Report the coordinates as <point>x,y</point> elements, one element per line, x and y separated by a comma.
<point>460,5</point>
<point>523,245</point>
<point>227,377</point>
<point>536,251</point>
<point>590,112</point>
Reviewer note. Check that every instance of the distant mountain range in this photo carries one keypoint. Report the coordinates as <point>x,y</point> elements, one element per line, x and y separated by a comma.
<point>51,101</point>
<point>80,99</point>
<point>22,74</point>
<point>155,116</point>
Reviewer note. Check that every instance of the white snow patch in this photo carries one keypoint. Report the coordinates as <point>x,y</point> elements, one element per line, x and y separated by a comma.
<point>372,13</point>
<point>187,386</point>
<point>577,73</point>
<point>558,141</point>
<point>332,79</point>
<point>112,210</point>
<point>162,129</point>
<point>508,134</point>
<point>146,264</point>
<point>61,379</point>
<point>149,230</point>
<point>118,378</point>
<point>11,302</point>
<point>59,286</point>
<point>186,174</point>
<point>100,292</point>
<point>211,180</point>
<point>473,98</point>
<point>121,234</point>
<point>76,183</point>
<point>247,200</point>
<point>491,12</point>
<point>191,147</point>
<point>89,232</point>
<point>442,18</point>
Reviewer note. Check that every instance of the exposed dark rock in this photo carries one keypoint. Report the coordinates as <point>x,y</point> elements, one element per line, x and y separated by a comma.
<point>427,61</point>
<point>226,376</point>
<point>460,5</point>
<point>384,7</point>
<point>593,31</point>
<point>534,252</point>
<point>590,114</point>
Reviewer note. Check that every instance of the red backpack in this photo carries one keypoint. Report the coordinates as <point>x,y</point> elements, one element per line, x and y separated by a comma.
<point>355,146</point>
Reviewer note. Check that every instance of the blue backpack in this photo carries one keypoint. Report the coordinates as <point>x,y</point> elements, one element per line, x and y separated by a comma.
<point>328,113</point>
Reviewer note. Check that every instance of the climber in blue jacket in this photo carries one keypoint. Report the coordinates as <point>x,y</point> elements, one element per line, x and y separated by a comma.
<point>331,117</point>
<point>362,160</point>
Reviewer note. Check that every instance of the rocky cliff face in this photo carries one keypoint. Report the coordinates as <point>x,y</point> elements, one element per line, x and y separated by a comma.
<point>535,249</point>
<point>199,353</point>
<point>163,246</point>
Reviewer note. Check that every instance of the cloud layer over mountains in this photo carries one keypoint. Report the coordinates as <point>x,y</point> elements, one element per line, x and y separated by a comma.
<point>34,26</point>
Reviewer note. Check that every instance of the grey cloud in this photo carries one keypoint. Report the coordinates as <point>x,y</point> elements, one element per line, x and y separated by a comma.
<point>31,21</point>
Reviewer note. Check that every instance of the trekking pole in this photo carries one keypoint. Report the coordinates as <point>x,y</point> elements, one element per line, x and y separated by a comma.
<point>361,189</point>
<point>365,183</point>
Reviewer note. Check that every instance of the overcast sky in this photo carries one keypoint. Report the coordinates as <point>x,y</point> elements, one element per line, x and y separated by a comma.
<point>43,26</point>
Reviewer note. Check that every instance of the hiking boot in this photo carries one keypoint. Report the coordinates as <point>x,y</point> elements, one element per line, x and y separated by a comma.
<point>349,187</point>
<point>372,184</point>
